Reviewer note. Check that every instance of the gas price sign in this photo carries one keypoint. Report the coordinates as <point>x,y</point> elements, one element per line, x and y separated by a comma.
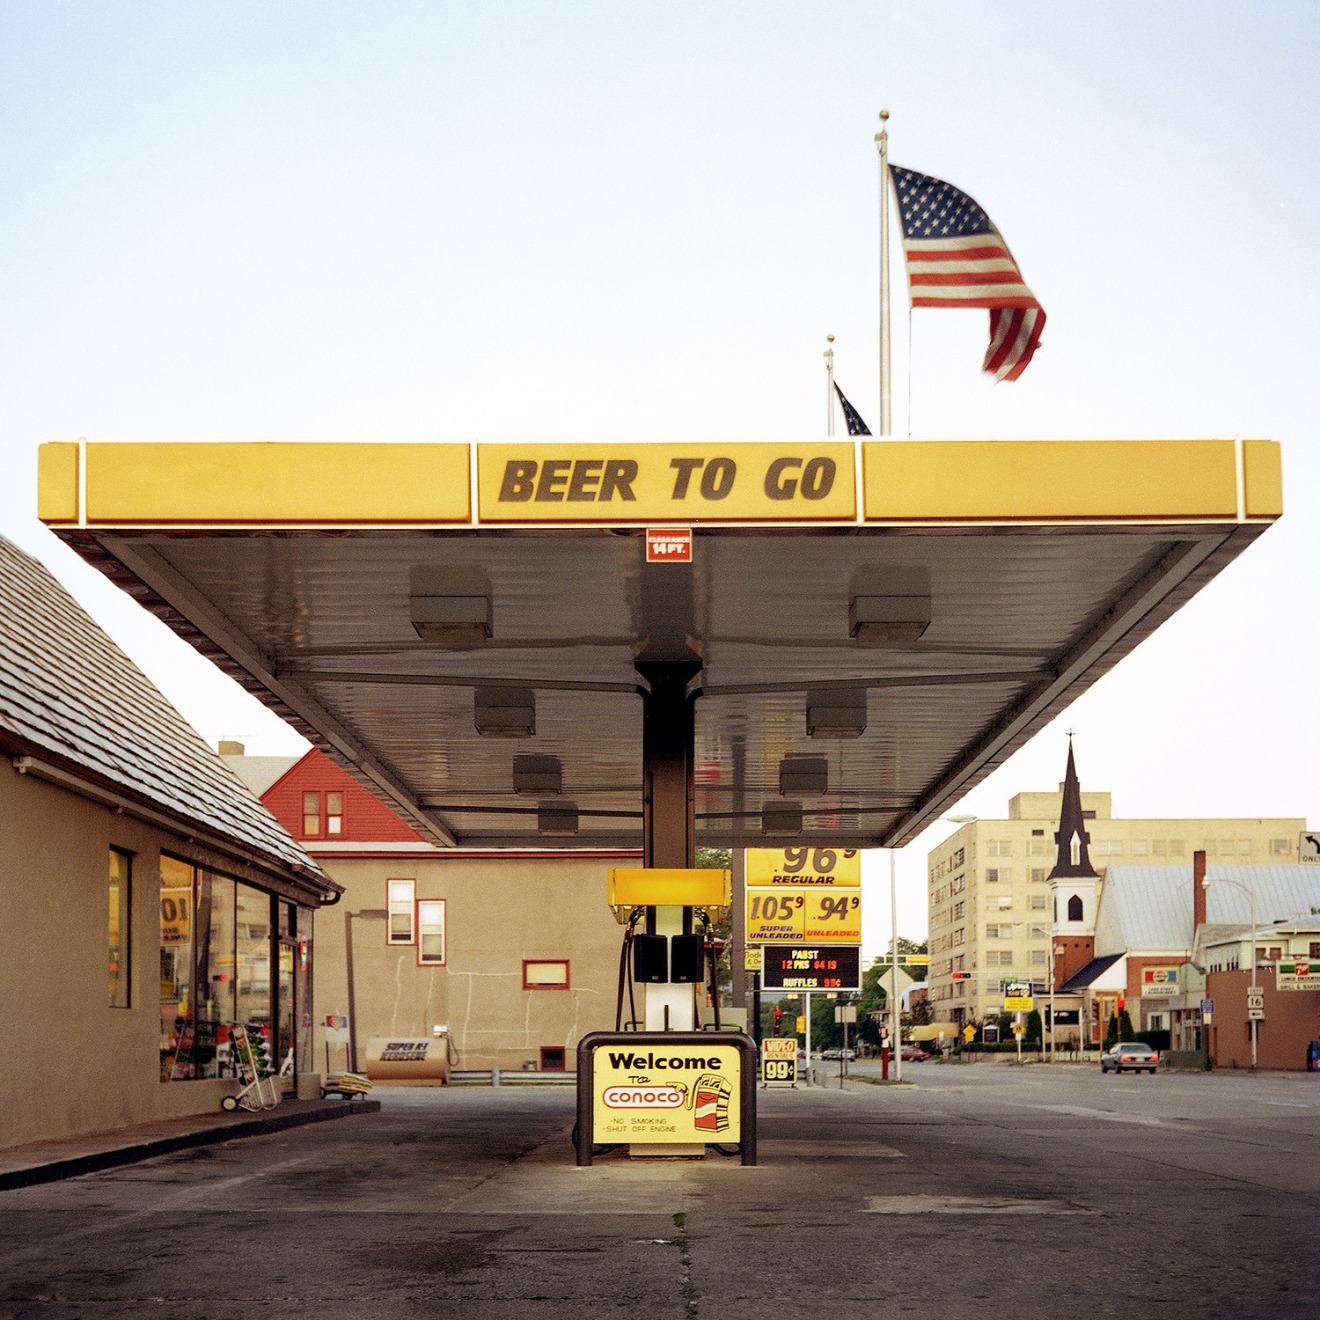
<point>817,967</point>
<point>776,915</point>
<point>804,866</point>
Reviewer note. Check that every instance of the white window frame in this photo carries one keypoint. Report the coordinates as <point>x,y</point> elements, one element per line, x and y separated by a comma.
<point>400,902</point>
<point>430,927</point>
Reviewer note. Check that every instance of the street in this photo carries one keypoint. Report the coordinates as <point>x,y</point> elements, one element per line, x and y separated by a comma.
<point>971,1191</point>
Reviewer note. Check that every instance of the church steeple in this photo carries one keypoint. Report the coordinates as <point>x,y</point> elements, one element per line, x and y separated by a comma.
<point>1073,860</point>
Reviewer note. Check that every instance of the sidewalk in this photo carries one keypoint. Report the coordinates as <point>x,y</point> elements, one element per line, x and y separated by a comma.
<point>47,1161</point>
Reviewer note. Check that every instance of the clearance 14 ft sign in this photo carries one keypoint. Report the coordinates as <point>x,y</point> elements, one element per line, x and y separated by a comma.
<point>800,894</point>
<point>666,484</point>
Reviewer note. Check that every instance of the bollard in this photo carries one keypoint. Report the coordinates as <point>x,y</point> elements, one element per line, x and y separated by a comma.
<point>884,1063</point>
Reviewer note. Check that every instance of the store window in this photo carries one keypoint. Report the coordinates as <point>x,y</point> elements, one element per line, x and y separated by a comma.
<point>401,899</point>
<point>430,932</point>
<point>121,905</point>
<point>215,970</point>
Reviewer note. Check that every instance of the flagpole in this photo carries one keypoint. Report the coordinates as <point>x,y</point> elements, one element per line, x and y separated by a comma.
<point>882,143</point>
<point>829,385</point>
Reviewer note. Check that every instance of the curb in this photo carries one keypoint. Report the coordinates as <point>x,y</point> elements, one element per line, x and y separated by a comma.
<point>74,1166</point>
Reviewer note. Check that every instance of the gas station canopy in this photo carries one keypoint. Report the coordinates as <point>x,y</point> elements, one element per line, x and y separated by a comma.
<point>866,628</point>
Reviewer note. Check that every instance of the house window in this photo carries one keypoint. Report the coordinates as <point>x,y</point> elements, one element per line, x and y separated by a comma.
<point>1039,933</point>
<point>322,814</point>
<point>552,1058</point>
<point>1003,903</point>
<point>1279,847</point>
<point>1315,950</point>
<point>121,873</point>
<point>999,847</point>
<point>1140,847</point>
<point>1038,957</point>
<point>430,932</point>
<point>1039,902</point>
<point>401,899</point>
<point>1074,908</point>
<point>1038,875</point>
<point>545,974</point>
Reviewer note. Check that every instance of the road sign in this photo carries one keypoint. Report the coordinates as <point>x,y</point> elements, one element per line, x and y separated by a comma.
<point>1019,1004</point>
<point>969,1033</point>
<point>812,967</point>
<point>1207,1006</point>
<point>780,915</point>
<point>1308,848</point>
<point>1256,1005</point>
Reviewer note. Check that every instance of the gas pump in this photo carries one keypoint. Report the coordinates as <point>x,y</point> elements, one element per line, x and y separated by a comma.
<point>666,1091</point>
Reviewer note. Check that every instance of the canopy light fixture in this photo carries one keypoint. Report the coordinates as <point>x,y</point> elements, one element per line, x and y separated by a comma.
<point>806,775</point>
<point>557,818</point>
<point>889,605</point>
<point>540,775</point>
<point>504,712</point>
<point>836,713</point>
<point>781,819</point>
<point>450,604</point>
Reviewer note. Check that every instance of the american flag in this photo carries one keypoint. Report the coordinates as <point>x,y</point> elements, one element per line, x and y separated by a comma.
<point>850,415</point>
<point>957,258</point>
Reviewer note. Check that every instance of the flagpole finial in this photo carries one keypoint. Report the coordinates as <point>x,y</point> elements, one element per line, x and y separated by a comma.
<point>883,134</point>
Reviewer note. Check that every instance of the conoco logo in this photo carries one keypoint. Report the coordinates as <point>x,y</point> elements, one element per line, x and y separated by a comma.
<point>644,1097</point>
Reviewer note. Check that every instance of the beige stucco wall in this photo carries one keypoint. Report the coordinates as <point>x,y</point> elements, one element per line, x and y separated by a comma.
<point>71,1064</point>
<point>499,911</point>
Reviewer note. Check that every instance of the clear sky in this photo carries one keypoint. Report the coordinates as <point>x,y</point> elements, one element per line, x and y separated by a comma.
<point>434,221</point>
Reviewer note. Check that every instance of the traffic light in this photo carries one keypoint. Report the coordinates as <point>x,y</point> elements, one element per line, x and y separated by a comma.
<point>1122,1004</point>
<point>779,1017</point>
<point>960,976</point>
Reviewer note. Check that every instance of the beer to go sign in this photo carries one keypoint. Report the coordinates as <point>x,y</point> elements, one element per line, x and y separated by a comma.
<point>666,484</point>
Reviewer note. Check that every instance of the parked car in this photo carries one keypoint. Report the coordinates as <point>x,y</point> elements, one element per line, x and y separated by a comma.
<point>1129,1056</point>
<point>913,1054</point>
<point>839,1054</point>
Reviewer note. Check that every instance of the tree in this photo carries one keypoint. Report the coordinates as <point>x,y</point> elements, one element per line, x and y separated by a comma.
<point>1034,1028</point>
<point>720,859</point>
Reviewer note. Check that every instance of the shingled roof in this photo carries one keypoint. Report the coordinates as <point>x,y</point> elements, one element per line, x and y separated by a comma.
<point>70,698</point>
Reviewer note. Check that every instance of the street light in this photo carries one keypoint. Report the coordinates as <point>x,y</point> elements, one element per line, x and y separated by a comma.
<point>1251,894</point>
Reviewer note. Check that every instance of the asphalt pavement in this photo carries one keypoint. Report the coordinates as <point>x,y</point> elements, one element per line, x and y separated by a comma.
<point>971,1191</point>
